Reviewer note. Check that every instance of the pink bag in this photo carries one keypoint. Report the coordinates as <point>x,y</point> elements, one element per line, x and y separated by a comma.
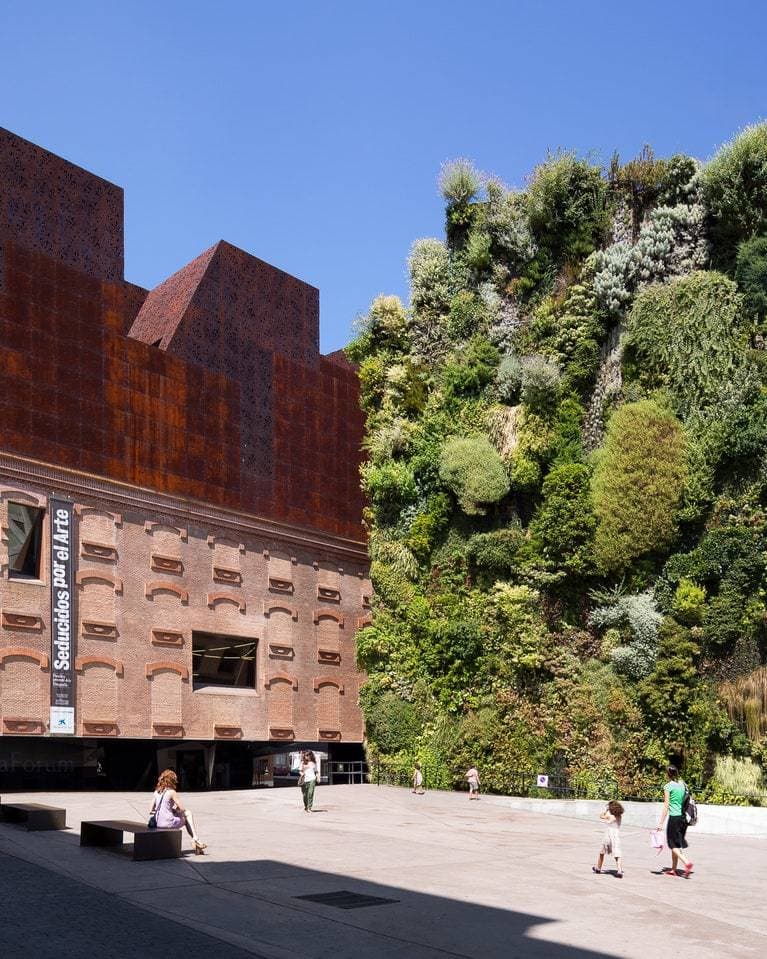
<point>656,841</point>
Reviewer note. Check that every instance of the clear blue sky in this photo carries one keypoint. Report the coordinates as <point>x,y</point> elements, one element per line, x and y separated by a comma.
<point>311,133</point>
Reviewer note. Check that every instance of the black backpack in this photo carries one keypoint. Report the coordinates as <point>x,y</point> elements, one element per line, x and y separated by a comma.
<point>689,807</point>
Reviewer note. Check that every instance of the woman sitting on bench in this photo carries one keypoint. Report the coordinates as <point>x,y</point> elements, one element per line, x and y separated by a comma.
<point>169,809</point>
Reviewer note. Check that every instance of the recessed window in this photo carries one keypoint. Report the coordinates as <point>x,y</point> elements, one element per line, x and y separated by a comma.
<point>25,540</point>
<point>223,661</point>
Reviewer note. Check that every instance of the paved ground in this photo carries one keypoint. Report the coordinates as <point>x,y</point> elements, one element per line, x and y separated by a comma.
<point>469,879</point>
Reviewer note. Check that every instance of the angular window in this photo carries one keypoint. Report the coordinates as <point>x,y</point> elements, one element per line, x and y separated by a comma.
<point>25,540</point>
<point>223,661</point>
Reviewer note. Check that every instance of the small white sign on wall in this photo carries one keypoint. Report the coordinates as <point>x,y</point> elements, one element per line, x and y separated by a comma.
<point>543,782</point>
<point>62,720</point>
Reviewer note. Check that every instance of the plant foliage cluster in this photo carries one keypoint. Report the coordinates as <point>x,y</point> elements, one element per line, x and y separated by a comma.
<point>541,604</point>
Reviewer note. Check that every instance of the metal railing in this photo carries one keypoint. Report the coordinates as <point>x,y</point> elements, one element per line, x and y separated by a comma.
<point>528,782</point>
<point>521,782</point>
<point>384,775</point>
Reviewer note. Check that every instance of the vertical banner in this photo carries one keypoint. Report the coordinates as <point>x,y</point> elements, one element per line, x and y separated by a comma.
<point>63,619</point>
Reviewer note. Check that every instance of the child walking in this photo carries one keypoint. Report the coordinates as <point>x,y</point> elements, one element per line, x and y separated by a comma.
<point>417,780</point>
<point>611,841</point>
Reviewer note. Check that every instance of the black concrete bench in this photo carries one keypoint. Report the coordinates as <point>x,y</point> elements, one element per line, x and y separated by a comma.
<point>34,815</point>
<point>147,843</point>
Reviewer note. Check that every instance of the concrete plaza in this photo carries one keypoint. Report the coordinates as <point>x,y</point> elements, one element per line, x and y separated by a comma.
<point>468,879</point>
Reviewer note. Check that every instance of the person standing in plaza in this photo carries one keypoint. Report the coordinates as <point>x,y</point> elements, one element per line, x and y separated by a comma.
<point>674,793</point>
<point>472,777</point>
<point>307,778</point>
<point>169,811</point>
<point>418,781</point>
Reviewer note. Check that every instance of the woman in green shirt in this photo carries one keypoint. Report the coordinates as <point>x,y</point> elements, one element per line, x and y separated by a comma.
<point>673,802</point>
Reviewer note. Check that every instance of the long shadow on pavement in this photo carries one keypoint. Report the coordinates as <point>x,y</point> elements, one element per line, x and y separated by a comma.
<point>267,901</point>
<point>252,908</point>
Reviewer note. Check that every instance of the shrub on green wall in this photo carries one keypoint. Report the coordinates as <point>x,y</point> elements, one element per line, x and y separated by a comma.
<point>637,484</point>
<point>671,692</point>
<point>390,486</point>
<point>687,337</point>
<point>563,528</point>
<point>493,555</point>
<point>735,192</point>
<point>566,205</point>
<point>541,379</point>
<point>473,470</point>
<point>751,276</point>
<point>392,723</point>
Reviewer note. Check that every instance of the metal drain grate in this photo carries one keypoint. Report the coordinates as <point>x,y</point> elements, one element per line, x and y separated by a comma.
<point>346,900</point>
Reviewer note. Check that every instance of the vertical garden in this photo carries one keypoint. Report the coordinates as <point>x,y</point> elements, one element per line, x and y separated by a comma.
<point>566,477</point>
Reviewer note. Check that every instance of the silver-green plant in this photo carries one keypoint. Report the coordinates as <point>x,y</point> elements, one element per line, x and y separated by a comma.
<point>492,302</point>
<point>389,440</point>
<point>681,181</point>
<point>540,380</point>
<point>460,181</point>
<point>431,291</point>
<point>672,242</point>
<point>508,379</point>
<point>614,276</point>
<point>505,325</point>
<point>508,223</point>
<point>639,613</point>
<point>429,269</point>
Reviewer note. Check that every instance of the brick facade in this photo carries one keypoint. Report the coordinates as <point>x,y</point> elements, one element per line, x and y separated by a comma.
<point>296,598</point>
<point>212,456</point>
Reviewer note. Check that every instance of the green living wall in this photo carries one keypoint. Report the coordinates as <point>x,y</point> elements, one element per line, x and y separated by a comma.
<point>567,479</point>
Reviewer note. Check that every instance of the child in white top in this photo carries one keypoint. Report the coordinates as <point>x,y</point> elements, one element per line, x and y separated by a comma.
<point>611,841</point>
<point>417,780</point>
<point>472,777</point>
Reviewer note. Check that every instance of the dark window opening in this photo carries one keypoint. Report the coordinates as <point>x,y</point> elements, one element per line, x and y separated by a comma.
<point>25,540</point>
<point>223,661</point>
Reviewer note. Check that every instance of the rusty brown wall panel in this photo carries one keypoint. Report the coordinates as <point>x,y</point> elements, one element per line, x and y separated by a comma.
<point>238,408</point>
<point>61,210</point>
<point>93,399</point>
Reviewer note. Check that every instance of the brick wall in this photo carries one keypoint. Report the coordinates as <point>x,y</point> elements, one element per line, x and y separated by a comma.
<point>136,617</point>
